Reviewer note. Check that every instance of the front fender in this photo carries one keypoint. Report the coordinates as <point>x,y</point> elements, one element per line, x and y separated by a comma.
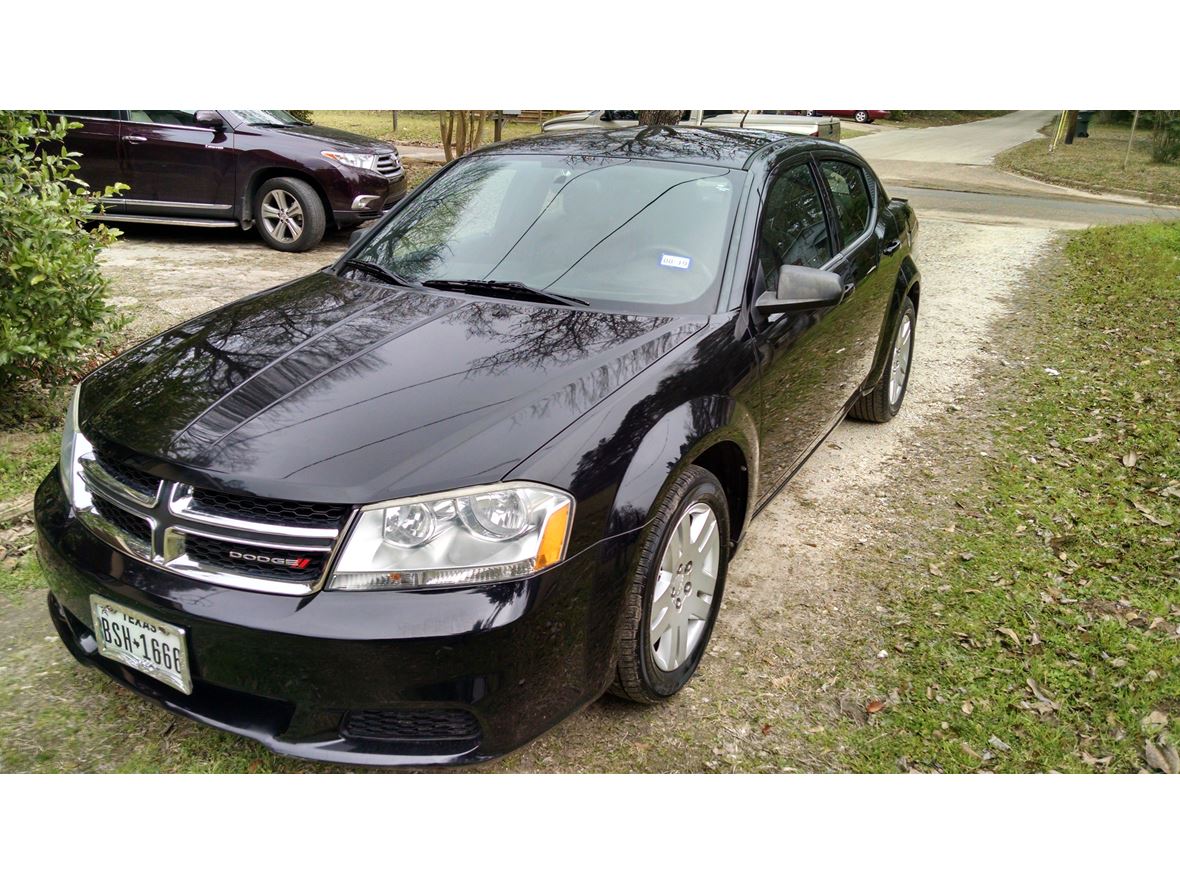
<point>679,438</point>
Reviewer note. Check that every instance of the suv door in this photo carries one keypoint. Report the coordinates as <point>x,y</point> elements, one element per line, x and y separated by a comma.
<point>177,167</point>
<point>98,143</point>
<point>853,197</point>
<point>803,355</point>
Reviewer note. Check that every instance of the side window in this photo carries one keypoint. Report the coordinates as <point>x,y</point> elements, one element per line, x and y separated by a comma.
<point>172,118</point>
<point>850,196</point>
<point>793,229</point>
<point>98,115</point>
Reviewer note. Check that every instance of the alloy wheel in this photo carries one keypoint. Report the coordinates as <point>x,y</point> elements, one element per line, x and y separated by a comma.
<point>685,587</point>
<point>282,215</point>
<point>903,347</point>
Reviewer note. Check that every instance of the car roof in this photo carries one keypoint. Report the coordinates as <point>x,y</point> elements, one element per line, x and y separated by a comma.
<point>731,148</point>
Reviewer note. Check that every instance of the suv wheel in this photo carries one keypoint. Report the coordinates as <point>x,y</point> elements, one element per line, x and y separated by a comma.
<point>675,593</point>
<point>289,214</point>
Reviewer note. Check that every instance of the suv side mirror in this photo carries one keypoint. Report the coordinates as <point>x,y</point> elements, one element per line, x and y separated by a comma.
<point>212,119</point>
<point>801,288</point>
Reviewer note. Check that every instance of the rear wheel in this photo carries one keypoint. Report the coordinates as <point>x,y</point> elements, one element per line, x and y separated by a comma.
<point>886,398</point>
<point>289,214</point>
<point>862,117</point>
<point>675,593</point>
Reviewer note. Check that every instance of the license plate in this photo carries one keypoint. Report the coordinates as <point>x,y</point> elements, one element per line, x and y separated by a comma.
<point>142,643</point>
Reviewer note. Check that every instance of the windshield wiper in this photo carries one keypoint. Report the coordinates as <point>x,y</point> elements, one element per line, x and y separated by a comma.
<point>504,289</point>
<point>376,270</point>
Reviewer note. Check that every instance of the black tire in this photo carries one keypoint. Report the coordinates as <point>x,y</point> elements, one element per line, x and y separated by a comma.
<point>311,211</point>
<point>862,117</point>
<point>878,406</point>
<point>637,676</point>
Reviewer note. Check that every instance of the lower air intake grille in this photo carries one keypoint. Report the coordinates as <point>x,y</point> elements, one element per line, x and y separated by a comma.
<point>255,562</point>
<point>452,726</point>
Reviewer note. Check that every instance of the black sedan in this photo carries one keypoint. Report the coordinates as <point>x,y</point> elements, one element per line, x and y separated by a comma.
<point>420,506</point>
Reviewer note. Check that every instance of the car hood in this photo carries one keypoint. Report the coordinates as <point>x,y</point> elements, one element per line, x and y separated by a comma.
<point>332,138</point>
<point>329,389</point>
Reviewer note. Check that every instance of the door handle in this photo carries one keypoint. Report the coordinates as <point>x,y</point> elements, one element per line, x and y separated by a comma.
<point>134,139</point>
<point>892,247</point>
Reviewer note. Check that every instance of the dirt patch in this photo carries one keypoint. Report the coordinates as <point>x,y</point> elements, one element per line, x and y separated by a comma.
<point>161,275</point>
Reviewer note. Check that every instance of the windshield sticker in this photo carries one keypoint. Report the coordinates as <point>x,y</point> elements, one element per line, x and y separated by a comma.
<point>679,262</point>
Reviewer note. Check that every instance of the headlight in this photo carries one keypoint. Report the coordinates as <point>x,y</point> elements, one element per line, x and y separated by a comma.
<point>360,161</point>
<point>471,536</point>
<point>73,446</point>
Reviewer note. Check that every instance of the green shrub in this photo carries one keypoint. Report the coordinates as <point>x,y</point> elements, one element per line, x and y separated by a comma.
<point>1165,141</point>
<point>305,116</point>
<point>52,296</point>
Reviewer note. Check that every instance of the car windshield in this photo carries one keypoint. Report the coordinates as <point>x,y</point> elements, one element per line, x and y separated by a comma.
<point>620,234</point>
<point>269,118</point>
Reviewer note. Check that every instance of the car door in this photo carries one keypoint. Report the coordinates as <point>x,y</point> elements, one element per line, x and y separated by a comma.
<point>803,355</point>
<point>176,167</point>
<point>852,196</point>
<point>98,143</point>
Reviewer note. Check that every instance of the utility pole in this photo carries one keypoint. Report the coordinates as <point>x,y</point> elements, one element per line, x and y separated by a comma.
<point>1131,141</point>
<point>1071,126</point>
<point>394,121</point>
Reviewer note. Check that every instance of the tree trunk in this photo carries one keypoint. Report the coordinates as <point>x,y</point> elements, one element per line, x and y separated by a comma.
<point>659,118</point>
<point>446,121</point>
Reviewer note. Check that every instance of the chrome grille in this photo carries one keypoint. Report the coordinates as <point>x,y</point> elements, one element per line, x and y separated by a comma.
<point>389,165</point>
<point>269,510</point>
<point>139,480</point>
<point>232,540</point>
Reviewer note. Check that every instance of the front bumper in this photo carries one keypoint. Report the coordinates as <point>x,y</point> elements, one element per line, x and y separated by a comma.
<point>293,672</point>
<point>389,191</point>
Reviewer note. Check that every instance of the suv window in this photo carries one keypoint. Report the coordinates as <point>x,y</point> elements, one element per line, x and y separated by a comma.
<point>850,196</point>
<point>170,118</point>
<point>793,227</point>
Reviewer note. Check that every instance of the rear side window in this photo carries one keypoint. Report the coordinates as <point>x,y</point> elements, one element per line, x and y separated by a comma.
<point>850,197</point>
<point>793,227</point>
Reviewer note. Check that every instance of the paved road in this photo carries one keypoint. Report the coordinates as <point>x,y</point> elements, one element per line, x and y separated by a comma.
<point>971,144</point>
<point>1027,210</point>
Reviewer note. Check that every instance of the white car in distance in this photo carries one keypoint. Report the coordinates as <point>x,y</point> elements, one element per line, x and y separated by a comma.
<point>795,124</point>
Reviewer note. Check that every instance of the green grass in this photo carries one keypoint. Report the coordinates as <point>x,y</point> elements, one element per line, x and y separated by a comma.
<point>413,127</point>
<point>1096,163</point>
<point>24,460</point>
<point>1047,621</point>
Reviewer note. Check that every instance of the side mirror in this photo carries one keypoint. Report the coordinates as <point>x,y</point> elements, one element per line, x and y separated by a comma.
<point>212,119</point>
<point>357,235</point>
<point>801,288</point>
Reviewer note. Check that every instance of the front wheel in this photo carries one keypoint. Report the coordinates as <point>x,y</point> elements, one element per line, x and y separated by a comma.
<point>289,214</point>
<point>862,117</point>
<point>886,398</point>
<point>675,593</point>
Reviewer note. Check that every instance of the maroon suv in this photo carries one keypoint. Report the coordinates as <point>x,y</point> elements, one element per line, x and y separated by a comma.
<point>263,169</point>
